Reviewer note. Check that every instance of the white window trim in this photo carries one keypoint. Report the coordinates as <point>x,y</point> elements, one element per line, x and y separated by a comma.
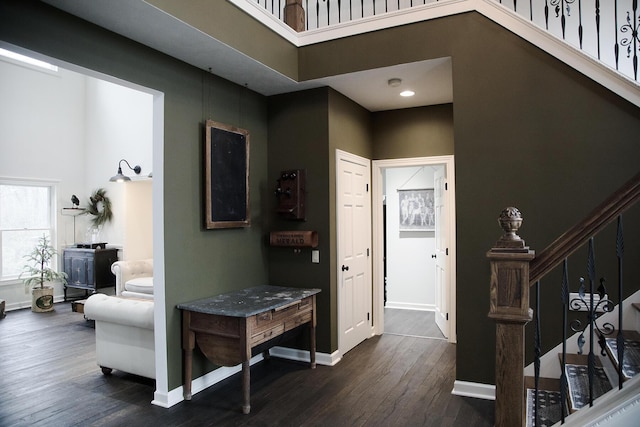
<point>53,185</point>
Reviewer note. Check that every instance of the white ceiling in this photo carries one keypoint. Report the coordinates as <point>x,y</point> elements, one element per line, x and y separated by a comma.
<point>135,19</point>
<point>430,80</point>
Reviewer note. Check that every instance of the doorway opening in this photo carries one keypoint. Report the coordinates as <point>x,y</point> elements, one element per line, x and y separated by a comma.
<point>97,93</point>
<point>414,247</point>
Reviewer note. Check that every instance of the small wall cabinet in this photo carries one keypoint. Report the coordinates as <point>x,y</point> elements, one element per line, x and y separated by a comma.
<point>89,269</point>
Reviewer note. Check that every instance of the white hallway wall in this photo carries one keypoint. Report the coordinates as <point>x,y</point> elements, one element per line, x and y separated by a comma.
<point>72,130</point>
<point>119,126</point>
<point>410,268</point>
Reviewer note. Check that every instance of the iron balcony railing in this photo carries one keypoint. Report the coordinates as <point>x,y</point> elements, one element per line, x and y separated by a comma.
<point>608,30</point>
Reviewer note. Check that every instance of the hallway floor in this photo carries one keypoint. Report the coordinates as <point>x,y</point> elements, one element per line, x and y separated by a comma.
<point>415,323</point>
<point>49,378</point>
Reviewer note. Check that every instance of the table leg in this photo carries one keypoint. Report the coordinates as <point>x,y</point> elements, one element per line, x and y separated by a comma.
<point>312,334</point>
<point>246,387</point>
<point>188,363</point>
<point>188,344</point>
<point>312,346</point>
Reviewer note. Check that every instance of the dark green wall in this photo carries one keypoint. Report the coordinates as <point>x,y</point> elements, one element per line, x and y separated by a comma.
<point>305,129</point>
<point>413,132</point>
<point>533,133</point>
<point>198,263</point>
<point>225,22</point>
<point>298,135</point>
<point>529,131</point>
<point>349,127</point>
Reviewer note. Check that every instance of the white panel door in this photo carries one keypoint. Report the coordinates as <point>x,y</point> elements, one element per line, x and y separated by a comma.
<point>442,255</point>
<point>353,244</point>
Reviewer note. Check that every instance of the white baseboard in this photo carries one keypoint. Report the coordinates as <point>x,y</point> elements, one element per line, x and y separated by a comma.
<point>303,355</point>
<point>410,306</point>
<point>477,390</point>
<point>167,400</point>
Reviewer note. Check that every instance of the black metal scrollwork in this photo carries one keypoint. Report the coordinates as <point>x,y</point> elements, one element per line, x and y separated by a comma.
<point>632,27</point>
<point>600,306</point>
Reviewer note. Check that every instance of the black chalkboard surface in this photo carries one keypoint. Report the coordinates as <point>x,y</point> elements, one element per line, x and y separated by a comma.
<point>226,176</point>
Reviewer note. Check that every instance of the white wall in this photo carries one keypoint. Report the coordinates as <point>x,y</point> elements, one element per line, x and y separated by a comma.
<point>410,268</point>
<point>138,238</point>
<point>73,130</point>
<point>118,126</point>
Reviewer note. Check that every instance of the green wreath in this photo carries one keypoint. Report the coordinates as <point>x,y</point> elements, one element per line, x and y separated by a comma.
<point>100,216</point>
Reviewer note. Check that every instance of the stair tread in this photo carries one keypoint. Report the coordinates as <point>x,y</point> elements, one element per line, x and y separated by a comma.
<point>631,362</point>
<point>549,408</point>
<point>578,380</point>
<point>578,384</point>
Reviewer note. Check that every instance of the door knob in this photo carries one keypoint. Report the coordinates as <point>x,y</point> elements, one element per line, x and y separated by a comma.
<point>434,256</point>
<point>345,268</point>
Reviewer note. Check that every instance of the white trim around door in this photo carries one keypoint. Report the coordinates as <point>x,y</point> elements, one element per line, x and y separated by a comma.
<point>378,167</point>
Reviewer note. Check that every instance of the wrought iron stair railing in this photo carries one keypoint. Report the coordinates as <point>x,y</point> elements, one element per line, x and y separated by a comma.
<point>515,269</point>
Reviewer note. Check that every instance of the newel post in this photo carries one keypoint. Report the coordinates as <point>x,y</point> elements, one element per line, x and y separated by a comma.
<point>509,308</point>
<point>294,15</point>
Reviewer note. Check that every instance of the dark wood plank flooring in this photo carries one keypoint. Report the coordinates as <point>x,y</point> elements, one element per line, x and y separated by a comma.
<point>48,377</point>
<point>413,323</point>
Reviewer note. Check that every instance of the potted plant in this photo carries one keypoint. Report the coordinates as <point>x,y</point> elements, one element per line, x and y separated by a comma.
<point>40,272</point>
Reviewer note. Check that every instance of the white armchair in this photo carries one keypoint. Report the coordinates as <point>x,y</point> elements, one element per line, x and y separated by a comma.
<point>124,322</point>
<point>134,279</point>
<point>124,334</point>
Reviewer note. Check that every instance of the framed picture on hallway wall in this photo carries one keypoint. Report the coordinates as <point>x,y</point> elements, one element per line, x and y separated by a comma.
<point>416,210</point>
<point>226,176</point>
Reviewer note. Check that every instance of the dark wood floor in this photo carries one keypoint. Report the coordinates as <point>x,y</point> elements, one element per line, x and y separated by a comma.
<point>414,323</point>
<point>48,377</point>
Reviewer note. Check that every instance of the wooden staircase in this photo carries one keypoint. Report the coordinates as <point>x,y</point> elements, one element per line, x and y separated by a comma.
<point>516,271</point>
<point>549,396</point>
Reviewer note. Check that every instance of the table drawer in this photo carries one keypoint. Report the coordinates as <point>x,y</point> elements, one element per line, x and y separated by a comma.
<point>302,306</point>
<point>299,319</point>
<point>269,319</point>
<point>266,335</point>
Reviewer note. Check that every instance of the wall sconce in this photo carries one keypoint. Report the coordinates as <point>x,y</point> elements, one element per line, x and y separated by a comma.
<point>120,177</point>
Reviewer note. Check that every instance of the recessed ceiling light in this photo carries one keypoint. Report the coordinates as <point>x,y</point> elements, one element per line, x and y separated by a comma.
<point>407,93</point>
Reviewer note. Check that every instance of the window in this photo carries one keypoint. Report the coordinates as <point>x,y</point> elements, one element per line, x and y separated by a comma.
<point>26,213</point>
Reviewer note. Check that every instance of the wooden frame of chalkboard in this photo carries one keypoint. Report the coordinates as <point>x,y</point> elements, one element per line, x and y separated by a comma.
<point>226,176</point>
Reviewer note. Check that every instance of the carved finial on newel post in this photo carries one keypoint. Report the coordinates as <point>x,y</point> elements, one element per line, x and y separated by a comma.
<point>510,220</point>
<point>509,308</point>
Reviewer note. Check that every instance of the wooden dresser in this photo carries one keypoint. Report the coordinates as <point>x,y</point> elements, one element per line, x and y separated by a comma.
<point>227,327</point>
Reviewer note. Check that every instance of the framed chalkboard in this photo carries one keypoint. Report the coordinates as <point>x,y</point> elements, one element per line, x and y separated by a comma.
<point>226,176</point>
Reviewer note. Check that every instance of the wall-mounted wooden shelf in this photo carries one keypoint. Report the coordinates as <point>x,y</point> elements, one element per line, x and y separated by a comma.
<point>294,239</point>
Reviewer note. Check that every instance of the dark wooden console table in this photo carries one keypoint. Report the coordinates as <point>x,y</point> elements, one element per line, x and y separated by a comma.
<point>226,327</point>
<point>89,268</point>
